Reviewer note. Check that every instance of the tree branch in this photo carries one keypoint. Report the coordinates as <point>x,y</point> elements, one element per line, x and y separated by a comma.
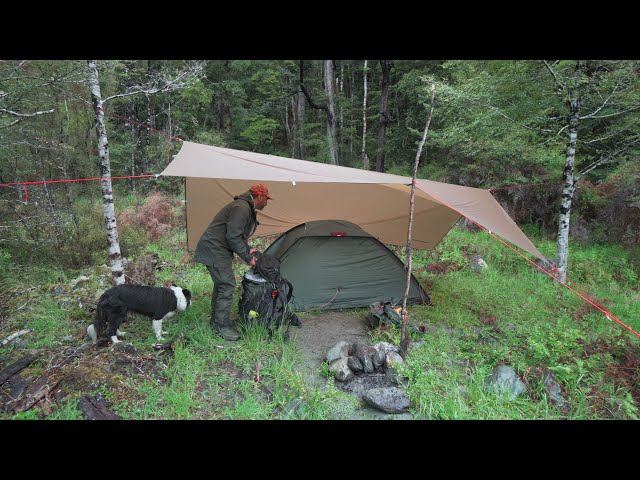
<point>21,116</point>
<point>311,102</point>
<point>603,160</point>
<point>555,77</point>
<point>17,114</point>
<point>303,89</point>
<point>612,114</point>
<point>603,104</point>
<point>162,85</point>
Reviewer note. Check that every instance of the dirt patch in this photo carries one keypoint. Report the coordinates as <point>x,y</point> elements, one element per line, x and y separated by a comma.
<point>318,334</point>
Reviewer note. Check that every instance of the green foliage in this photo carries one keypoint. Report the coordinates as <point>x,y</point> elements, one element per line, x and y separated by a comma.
<point>5,264</point>
<point>259,132</point>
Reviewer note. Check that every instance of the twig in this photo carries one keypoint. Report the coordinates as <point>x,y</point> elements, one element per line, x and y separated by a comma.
<point>404,338</point>
<point>13,336</point>
<point>259,368</point>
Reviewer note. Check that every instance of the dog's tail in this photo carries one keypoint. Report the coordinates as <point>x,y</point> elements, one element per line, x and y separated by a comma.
<point>98,328</point>
<point>91,331</point>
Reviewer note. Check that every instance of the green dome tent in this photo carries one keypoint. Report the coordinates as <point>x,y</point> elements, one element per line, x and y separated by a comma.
<point>336,264</point>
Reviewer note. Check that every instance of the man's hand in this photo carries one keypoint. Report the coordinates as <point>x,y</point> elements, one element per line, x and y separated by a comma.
<point>253,262</point>
<point>252,250</point>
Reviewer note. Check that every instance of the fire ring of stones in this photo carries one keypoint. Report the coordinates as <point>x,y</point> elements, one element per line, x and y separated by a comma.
<point>370,373</point>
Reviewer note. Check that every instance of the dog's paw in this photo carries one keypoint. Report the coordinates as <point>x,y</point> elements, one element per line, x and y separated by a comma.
<point>161,339</point>
<point>165,333</point>
<point>120,334</point>
<point>115,340</point>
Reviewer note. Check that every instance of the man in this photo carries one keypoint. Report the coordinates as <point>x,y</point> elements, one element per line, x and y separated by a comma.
<point>228,233</point>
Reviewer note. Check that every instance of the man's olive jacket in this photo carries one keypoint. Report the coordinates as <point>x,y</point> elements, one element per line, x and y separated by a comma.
<point>229,231</point>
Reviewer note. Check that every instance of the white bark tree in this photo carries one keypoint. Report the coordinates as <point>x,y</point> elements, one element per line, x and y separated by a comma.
<point>331,118</point>
<point>574,88</point>
<point>365,159</point>
<point>384,113</point>
<point>108,208</point>
<point>162,82</point>
<point>327,107</point>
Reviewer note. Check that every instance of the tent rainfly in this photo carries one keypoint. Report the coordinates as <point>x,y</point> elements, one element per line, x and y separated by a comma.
<point>304,191</point>
<point>336,264</point>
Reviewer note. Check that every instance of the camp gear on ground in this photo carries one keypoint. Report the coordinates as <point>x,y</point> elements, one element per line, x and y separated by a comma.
<point>266,294</point>
<point>386,312</point>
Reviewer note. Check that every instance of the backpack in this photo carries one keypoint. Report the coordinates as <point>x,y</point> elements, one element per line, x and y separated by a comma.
<point>266,295</point>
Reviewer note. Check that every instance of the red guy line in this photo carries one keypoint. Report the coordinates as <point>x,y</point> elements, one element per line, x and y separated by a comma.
<point>41,182</point>
<point>607,313</point>
<point>141,124</point>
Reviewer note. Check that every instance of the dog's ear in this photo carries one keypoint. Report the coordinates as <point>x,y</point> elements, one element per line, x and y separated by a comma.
<point>186,293</point>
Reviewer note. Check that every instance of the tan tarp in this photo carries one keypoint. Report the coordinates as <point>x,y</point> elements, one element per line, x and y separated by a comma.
<point>304,191</point>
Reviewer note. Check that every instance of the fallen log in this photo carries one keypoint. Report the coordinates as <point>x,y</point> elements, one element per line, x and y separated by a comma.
<point>15,367</point>
<point>96,408</point>
<point>35,392</point>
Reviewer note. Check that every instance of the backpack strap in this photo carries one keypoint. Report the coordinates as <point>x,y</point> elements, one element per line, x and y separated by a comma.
<point>290,293</point>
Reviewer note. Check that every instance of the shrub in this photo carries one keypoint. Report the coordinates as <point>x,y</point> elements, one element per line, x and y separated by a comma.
<point>154,216</point>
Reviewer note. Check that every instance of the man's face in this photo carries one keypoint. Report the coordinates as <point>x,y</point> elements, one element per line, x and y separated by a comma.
<point>261,202</point>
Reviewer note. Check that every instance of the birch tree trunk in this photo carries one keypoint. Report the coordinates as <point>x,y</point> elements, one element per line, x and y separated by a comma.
<point>340,105</point>
<point>299,147</point>
<point>365,159</point>
<point>352,121</point>
<point>301,109</point>
<point>148,121</point>
<point>331,119</point>
<point>404,338</point>
<point>384,99</point>
<point>568,191</point>
<point>115,257</point>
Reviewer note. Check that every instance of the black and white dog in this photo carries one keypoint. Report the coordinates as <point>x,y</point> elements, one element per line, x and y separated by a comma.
<point>157,303</point>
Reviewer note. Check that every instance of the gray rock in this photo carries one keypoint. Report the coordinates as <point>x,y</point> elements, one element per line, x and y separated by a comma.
<point>554,390</point>
<point>378,359</point>
<point>504,381</point>
<point>393,357</point>
<point>368,364</point>
<point>354,364</point>
<point>478,264</point>
<point>390,400</point>
<point>360,351</point>
<point>339,350</point>
<point>360,384</point>
<point>393,372</point>
<point>341,370</point>
<point>386,347</point>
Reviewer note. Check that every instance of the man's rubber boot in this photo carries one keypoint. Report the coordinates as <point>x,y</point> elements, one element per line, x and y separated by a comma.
<point>226,332</point>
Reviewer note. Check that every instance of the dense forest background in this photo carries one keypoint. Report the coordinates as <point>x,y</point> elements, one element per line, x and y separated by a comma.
<point>495,124</point>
